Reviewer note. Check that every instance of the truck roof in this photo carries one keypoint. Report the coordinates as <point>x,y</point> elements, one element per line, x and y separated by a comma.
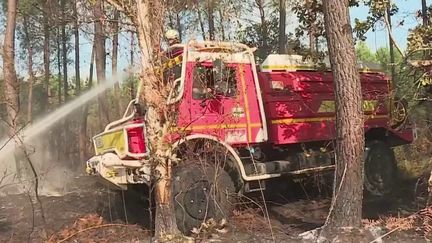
<point>283,62</point>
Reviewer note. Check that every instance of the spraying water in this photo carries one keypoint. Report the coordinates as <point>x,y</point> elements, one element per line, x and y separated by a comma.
<point>51,119</point>
<point>38,128</point>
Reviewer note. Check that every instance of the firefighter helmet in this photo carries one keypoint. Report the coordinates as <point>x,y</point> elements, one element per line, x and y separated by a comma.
<point>172,34</point>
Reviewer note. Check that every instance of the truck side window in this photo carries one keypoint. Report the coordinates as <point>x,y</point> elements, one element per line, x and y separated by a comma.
<point>203,81</point>
<point>207,82</point>
<point>172,73</point>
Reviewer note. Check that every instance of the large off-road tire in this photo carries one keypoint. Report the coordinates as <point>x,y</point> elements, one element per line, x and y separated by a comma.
<point>201,191</point>
<point>380,169</point>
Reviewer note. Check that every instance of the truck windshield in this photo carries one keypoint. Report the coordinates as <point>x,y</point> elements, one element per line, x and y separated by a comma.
<point>208,82</point>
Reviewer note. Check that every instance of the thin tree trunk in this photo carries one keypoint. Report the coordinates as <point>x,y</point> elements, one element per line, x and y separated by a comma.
<point>165,222</point>
<point>348,184</point>
<point>282,26</point>
<point>201,23</point>
<point>222,23</point>
<point>77,50</point>
<point>312,39</point>
<point>100,54</point>
<point>46,53</point>
<point>392,56</point>
<point>425,18</point>
<point>424,13</point>
<point>132,63</point>
<point>264,29</point>
<point>210,16</point>
<point>179,27</point>
<point>29,68</point>
<point>11,83</point>
<point>82,140</point>
<point>170,18</point>
<point>312,29</point>
<point>59,67</point>
<point>115,42</point>
<point>64,51</point>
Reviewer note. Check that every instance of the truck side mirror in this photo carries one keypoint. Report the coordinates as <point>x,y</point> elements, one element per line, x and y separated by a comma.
<point>139,111</point>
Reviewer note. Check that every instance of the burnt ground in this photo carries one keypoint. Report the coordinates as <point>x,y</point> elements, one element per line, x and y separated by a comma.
<point>91,213</point>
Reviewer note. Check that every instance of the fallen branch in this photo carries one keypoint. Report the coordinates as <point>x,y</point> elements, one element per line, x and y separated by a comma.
<point>379,239</point>
<point>414,215</point>
<point>90,228</point>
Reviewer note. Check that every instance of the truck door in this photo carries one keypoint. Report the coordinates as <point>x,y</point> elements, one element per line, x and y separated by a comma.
<point>217,108</point>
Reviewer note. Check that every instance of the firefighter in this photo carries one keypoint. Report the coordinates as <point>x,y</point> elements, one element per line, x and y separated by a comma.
<point>173,38</point>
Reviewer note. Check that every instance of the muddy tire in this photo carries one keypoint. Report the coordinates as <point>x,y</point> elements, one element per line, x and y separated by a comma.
<point>380,169</point>
<point>201,191</point>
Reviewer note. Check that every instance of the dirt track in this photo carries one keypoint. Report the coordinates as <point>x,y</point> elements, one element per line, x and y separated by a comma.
<point>289,215</point>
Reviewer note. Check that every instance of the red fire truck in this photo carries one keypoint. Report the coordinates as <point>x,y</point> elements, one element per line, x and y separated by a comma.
<point>240,125</point>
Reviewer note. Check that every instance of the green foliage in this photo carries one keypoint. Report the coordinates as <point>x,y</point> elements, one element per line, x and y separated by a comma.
<point>364,53</point>
<point>311,17</point>
<point>420,37</point>
<point>377,10</point>
<point>253,35</point>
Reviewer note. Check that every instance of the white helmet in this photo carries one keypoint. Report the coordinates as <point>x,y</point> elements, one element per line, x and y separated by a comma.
<point>172,34</point>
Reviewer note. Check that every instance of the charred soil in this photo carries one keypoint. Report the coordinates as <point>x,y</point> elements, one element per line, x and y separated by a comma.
<point>90,212</point>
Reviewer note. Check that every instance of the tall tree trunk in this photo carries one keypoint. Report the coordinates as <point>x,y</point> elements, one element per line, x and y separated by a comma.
<point>132,63</point>
<point>348,184</point>
<point>77,50</point>
<point>64,51</point>
<point>392,56</point>
<point>58,130</point>
<point>210,16</point>
<point>157,115</point>
<point>29,67</point>
<point>264,28</point>
<point>282,26</point>
<point>82,140</point>
<point>11,83</point>
<point>100,54</point>
<point>46,53</point>
<point>65,127</point>
<point>115,42</point>
<point>59,67</point>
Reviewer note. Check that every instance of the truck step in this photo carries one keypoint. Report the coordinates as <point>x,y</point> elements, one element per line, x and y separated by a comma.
<point>283,167</point>
<point>272,167</point>
<point>254,186</point>
<point>314,170</point>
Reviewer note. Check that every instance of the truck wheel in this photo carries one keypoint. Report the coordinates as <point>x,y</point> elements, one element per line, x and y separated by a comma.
<point>200,191</point>
<point>380,168</point>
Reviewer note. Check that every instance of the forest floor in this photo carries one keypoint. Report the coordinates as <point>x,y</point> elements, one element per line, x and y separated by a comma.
<point>91,213</point>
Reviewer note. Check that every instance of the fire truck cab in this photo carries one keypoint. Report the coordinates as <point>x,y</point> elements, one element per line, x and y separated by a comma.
<point>240,124</point>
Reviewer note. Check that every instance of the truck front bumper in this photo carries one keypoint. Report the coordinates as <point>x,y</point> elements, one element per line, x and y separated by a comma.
<point>120,173</point>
